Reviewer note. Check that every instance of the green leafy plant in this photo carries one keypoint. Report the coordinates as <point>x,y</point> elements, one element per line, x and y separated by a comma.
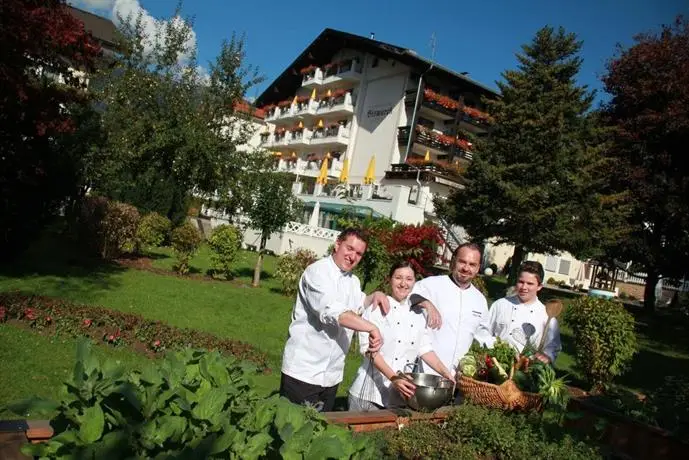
<point>290,266</point>
<point>225,242</point>
<point>604,336</point>
<point>195,404</point>
<point>185,242</point>
<point>153,230</point>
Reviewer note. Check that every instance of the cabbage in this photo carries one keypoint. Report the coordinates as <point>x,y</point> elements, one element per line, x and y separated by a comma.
<point>469,370</point>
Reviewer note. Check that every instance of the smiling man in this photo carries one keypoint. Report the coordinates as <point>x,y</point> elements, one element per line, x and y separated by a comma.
<point>521,318</point>
<point>455,308</point>
<point>325,315</point>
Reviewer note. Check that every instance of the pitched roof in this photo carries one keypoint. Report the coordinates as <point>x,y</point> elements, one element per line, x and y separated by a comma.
<point>330,41</point>
<point>101,28</point>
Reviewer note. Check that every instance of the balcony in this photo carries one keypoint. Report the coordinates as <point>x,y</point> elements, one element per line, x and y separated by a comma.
<point>434,171</point>
<point>312,77</point>
<point>332,135</point>
<point>310,165</point>
<point>345,70</point>
<point>298,137</point>
<point>340,103</point>
<point>436,143</point>
<point>445,108</point>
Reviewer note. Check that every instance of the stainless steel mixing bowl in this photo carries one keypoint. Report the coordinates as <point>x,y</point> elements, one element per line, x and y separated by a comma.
<point>432,391</point>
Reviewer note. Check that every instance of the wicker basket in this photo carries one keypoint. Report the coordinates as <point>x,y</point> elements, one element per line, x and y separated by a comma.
<point>506,396</point>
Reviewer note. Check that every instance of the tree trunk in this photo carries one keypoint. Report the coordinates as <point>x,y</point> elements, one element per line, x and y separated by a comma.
<point>259,261</point>
<point>650,290</point>
<point>517,258</point>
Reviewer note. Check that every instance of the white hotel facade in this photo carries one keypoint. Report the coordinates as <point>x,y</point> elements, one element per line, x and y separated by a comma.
<point>374,129</point>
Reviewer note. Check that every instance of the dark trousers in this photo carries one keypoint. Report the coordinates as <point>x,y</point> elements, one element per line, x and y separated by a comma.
<point>301,393</point>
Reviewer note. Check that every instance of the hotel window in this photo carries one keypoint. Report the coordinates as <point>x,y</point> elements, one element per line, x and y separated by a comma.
<point>564,267</point>
<point>551,264</point>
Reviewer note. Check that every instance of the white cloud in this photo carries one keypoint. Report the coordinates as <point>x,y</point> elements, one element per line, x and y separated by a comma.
<point>151,25</point>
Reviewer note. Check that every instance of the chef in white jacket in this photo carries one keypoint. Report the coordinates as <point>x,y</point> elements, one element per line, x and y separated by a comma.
<point>405,337</point>
<point>522,318</point>
<point>455,307</point>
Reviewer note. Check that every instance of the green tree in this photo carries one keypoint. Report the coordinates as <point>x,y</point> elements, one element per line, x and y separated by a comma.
<point>172,131</point>
<point>649,112</point>
<point>270,207</point>
<point>534,181</point>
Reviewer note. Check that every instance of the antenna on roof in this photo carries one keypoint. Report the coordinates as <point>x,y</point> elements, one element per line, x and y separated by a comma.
<point>433,46</point>
<point>373,36</point>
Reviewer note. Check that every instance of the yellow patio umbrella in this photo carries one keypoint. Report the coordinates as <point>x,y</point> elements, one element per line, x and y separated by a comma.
<point>313,94</point>
<point>294,101</point>
<point>327,155</point>
<point>294,154</point>
<point>427,158</point>
<point>277,154</point>
<point>330,93</point>
<point>301,125</point>
<point>344,174</point>
<point>323,175</point>
<point>320,123</point>
<point>370,176</point>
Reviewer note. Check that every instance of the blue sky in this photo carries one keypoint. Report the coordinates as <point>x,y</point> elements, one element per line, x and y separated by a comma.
<point>478,37</point>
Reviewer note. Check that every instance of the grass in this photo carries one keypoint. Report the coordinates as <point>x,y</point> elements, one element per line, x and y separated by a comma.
<point>259,316</point>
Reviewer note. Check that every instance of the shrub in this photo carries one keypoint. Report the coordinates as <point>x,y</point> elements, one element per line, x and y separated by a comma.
<point>604,336</point>
<point>185,241</point>
<point>472,432</point>
<point>671,404</point>
<point>225,242</point>
<point>290,266</point>
<point>194,404</point>
<point>108,227</point>
<point>154,230</point>
<point>119,229</point>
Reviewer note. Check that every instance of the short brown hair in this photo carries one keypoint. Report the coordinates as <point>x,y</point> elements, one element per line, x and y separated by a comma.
<point>533,267</point>
<point>351,231</point>
<point>455,253</point>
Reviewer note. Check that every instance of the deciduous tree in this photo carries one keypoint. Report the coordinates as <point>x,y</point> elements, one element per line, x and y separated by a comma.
<point>271,206</point>
<point>649,112</point>
<point>42,43</point>
<point>171,129</point>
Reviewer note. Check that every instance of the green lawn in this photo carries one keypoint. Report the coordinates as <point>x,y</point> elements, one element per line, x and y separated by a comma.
<point>259,316</point>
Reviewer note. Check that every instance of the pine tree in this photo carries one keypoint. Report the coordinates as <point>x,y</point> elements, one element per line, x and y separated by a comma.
<point>534,181</point>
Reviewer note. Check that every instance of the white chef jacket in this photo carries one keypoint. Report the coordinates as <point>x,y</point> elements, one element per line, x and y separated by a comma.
<point>316,346</point>
<point>405,337</point>
<point>508,317</point>
<point>464,313</point>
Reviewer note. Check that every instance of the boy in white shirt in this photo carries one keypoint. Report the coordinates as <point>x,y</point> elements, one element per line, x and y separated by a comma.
<point>521,318</point>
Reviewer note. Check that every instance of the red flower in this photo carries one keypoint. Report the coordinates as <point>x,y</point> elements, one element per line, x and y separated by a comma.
<point>48,319</point>
<point>111,338</point>
<point>87,322</point>
<point>156,344</point>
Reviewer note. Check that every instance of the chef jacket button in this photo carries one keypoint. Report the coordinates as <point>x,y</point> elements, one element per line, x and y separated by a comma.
<point>399,341</point>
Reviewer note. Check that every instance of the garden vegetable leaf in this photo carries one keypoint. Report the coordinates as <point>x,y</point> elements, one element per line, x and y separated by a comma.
<point>327,446</point>
<point>92,424</point>
<point>210,404</point>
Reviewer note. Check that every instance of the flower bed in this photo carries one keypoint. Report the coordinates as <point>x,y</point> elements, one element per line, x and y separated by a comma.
<point>53,315</point>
